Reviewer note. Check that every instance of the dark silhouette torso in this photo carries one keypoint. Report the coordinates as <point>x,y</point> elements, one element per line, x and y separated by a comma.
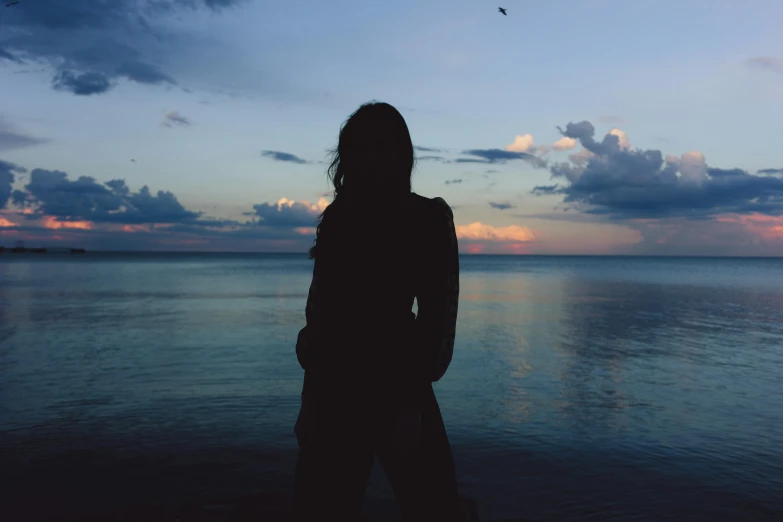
<point>360,322</point>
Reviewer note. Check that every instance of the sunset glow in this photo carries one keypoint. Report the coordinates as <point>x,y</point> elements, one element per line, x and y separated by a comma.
<point>53,223</point>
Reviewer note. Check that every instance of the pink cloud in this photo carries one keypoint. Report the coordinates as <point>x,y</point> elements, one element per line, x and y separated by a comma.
<point>135,228</point>
<point>53,223</point>
<point>770,228</point>
<point>478,238</point>
<point>727,234</point>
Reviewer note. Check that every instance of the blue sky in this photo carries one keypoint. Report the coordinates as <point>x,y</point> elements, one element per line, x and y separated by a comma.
<point>194,92</point>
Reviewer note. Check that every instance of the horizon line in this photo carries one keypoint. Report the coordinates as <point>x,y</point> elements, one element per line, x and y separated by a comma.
<point>461,254</point>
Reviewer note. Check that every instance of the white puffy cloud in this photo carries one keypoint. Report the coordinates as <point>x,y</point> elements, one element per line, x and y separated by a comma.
<point>564,143</point>
<point>693,167</point>
<point>622,138</point>
<point>521,143</point>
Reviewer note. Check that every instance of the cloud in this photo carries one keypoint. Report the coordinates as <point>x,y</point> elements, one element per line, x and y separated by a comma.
<point>90,45</point>
<point>53,208</point>
<point>11,138</point>
<point>175,119</point>
<point>581,157</point>
<point>454,181</point>
<point>478,238</point>
<point>5,223</point>
<point>283,156</point>
<point>619,182</point>
<point>521,143</point>
<point>7,178</point>
<point>770,171</point>
<point>541,190</point>
<point>504,205</point>
<point>428,149</point>
<point>480,231</point>
<point>289,213</point>
<point>5,55</point>
<point>500,156</point>
<point>724,235</point>
<point>83,84</point>
<point>622,138</point>
<point>765,63</point>
<point>564,143</point>
<point>50,193</point>
<point>433,158</point>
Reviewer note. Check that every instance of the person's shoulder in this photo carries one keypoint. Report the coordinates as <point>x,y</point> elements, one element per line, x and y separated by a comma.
<point>436,205</point>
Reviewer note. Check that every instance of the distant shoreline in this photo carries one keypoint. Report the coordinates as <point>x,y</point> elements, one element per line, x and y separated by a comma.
<point>41,250</point>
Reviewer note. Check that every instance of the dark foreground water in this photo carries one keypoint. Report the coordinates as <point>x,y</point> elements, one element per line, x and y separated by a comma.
<point>581,388</point>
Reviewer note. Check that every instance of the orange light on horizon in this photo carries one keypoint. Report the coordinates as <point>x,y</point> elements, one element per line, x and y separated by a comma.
<point>135,228</point>
<point>53,223</point>
<point>305,231</point>
<point>4,223</point>
<point>480,231</point>
<point>767,227</point>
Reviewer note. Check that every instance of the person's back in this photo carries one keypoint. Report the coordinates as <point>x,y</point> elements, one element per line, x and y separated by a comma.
<point>367,280</point>
<point>369,361</point>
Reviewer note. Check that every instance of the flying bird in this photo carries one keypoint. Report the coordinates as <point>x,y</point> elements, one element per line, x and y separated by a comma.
<point>500,9</point>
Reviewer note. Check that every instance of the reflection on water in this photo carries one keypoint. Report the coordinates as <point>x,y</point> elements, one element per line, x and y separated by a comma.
<point>581,388</point>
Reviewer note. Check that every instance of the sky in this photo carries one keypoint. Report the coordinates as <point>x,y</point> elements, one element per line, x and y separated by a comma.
<point>596,127</point>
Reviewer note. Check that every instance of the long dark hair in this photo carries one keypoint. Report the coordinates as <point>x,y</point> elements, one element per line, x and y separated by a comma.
<point>373,161</point>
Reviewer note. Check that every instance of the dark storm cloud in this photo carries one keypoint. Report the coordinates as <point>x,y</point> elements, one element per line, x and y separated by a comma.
<point>622,183</point>
<point>83,84</point>
<point>175,119</point>
<point>91,44</point>
<point>283,156</point>
<point>7,171</point>
<point>500,156</point>
<point>51,193</point>
<point>503,205</point>
<point>285,215</point>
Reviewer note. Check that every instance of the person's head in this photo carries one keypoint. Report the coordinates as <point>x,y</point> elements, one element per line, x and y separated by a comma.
<point>374,153</point>
<point>373,161</point>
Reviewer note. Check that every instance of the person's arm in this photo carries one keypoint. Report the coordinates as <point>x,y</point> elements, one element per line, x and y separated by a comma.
<point>304,343</point>
<point>438,297</point>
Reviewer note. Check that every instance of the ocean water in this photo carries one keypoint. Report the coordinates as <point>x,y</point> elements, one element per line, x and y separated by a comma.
<point>582,388</point>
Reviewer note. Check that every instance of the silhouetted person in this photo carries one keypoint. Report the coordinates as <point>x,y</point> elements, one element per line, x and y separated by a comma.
<point>369,361</point>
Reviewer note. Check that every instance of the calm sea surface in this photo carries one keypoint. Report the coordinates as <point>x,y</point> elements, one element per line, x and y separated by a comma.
<point>581,388</point>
